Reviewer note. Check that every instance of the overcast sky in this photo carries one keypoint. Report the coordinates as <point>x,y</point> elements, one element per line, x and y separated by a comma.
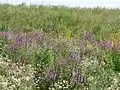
<point>81,3</point>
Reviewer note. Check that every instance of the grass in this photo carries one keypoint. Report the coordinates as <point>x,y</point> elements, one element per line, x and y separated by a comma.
<point>59,48</point>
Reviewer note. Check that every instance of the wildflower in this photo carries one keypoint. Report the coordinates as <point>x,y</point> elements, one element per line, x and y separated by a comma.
<point>27,78</point>
<point>64,81</point>
<point>112,43</point>
<point>53,75</point>
<point>19,40</point>
<point>51,88</point>
<point>71,55</point>
<point>77,75</point>
<point>107,44</point>
<point>29,41</point>
<point>83,79</point>
<point>60,87</point>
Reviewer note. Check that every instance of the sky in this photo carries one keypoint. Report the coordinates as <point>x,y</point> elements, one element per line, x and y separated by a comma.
<point>72,3</point>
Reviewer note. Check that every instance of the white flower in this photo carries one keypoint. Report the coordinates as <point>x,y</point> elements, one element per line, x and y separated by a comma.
<point>60,83</point>
<point>65,87</point>
<point>27,78</point>
<point>4,83</point>
<point>55,84</point>
<point>13,86</point>
<point>64,81</point>
<point>52,88</point>
<point>60,87</point>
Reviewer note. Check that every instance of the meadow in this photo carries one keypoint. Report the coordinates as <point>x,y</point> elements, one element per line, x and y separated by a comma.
<point>59,48</point>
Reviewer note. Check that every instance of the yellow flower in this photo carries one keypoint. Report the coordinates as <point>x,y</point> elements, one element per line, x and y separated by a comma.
<point>86,59</point>
<point>112,43</point>
<point>89,46</point>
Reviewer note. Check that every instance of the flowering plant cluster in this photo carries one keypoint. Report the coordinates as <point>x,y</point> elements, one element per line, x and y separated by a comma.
<point>51,64</point>
<point>60,85</point>
<point>14,76</point>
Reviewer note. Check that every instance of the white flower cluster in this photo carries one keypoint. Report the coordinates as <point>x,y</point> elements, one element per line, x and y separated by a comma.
<point>115,85</point>
<point>15,77</point>
<point>60,85</point>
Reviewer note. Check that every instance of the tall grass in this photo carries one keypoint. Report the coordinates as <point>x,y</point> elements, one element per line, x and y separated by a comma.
<point>100,21</point>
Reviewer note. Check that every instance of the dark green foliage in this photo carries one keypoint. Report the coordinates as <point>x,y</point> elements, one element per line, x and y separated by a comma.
<point>115,60</point>
<point>3,42</point>
<point>42,56</point>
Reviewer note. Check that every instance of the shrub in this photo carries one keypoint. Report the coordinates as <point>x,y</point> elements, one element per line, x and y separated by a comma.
<point>41,59</point>
<point>114,58</point>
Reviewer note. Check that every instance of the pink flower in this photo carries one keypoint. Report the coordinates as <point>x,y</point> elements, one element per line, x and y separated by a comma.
<point>107,44</point>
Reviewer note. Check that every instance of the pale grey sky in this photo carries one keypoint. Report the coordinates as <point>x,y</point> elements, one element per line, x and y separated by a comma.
<point>81,3</point>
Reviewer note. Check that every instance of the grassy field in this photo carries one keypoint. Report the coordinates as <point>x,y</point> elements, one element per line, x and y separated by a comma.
<point>59,48</point>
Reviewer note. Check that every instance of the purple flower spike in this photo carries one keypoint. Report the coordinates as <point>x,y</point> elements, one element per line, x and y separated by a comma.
<point>19,40</point>
<point>29,41</point>
<point>53,76</point>
<point>89,52</point>
<point>5,35</point>
<point>71,55</point>
<point>107,44</point>
<point>77,75</point>
<point>82,79</point>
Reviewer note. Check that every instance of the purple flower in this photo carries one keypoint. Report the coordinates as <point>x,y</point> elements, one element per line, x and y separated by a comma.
<point>79,78</point>
<point>89,52</point>
<point>106,44</point>
<point>19,40</point>
<point>29,41</point>
<point>77,75</point>
<point>71,55</point>
<point>82,79</point>
<point>53,75</point>
<point>5,34</point>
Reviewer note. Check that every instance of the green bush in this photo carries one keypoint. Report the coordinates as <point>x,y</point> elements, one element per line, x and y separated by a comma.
<point>40,55</point>
<point>114,58</point>
<point>41,59</point>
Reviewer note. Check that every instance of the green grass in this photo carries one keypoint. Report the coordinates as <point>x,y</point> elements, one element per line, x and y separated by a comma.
<point>101,21</point>
<point>60,25</point>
